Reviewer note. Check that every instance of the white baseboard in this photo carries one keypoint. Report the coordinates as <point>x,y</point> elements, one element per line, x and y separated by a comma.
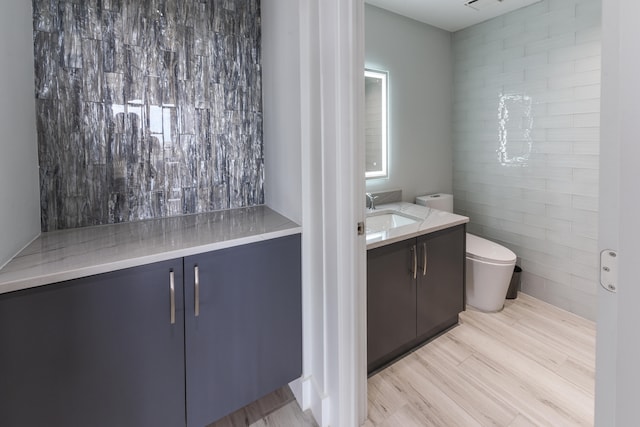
<point>310,397</point>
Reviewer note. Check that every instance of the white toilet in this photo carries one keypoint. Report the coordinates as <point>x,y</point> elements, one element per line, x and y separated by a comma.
<point>489,265</point>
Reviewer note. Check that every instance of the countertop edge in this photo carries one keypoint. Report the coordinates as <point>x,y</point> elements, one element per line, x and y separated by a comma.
<point>26,279</point>
<point>389,241</point>
<point>429,220</point>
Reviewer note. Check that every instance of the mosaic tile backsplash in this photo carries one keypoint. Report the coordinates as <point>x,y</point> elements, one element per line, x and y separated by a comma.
<point>146,108</point>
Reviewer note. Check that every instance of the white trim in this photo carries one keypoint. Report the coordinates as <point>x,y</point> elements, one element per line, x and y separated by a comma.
<point>617,345</point>
<point>608,213</point>
<point>360,261</point>
<point>306,390</point>
<point>332,88</point>
<point>314,396</point>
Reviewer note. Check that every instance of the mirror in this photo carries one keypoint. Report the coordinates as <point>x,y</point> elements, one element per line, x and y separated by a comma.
<point>375,92</point>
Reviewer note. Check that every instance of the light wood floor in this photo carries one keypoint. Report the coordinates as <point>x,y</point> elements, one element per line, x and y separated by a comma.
<point>277,409</point>
<point>530,365</point>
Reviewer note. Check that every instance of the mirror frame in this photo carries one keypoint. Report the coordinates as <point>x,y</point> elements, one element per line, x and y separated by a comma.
<point>383,76</point>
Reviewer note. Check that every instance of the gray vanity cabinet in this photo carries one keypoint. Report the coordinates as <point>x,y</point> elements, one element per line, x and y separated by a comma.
<point>244,327</point>
<point>440,288</point>
<point>96,351</point>
<point>409,301</point>
<point>391,300</point>
<point>117,349</point>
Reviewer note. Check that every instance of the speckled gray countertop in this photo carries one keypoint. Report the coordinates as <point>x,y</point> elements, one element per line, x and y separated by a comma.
<point>69,254</point>
<point>428,221</point>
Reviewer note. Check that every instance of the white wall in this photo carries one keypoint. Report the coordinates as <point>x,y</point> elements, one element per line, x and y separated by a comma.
<point>543,62</point>
<point>19,191</point>
<point>618,347</point>
<point>418,59</point>
<point>281,107</point>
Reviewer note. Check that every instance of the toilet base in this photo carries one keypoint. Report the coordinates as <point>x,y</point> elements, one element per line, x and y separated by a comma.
<point>487,284</point>
<point>470,307</point>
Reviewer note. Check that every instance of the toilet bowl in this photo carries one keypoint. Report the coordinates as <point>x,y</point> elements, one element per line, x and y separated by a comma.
<point>489,266</point>
<point>489,270</point>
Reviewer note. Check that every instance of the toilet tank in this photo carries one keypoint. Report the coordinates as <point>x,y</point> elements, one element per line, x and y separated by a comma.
<point>440,201</point>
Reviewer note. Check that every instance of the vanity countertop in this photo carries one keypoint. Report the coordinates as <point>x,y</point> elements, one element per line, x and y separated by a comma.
<point>430,220</point>
<point>69,254</point>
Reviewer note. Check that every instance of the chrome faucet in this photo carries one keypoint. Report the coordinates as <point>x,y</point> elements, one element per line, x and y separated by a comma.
<point>371,198</point>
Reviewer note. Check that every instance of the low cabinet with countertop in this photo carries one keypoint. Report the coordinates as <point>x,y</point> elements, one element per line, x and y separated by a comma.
<point>180,342</point>
<point>245,338</point>
<point>415,290</point>
<point>95,351</point>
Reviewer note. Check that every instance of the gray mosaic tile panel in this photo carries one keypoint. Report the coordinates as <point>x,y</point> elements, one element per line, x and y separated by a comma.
<point>146,108</point>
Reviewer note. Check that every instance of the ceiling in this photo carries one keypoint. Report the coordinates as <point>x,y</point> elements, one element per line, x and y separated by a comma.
<point>451,15</point>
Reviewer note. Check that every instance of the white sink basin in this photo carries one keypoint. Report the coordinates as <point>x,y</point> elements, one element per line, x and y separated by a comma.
<point>376,223</point>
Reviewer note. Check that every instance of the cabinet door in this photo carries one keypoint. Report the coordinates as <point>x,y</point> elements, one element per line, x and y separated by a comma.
<point>96,351</point>
<point>440,294</point>
<point>391,300</point>
<point>247,339</point>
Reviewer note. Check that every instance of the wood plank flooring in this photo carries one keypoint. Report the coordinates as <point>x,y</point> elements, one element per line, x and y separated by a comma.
<point>277,409</point>
<point>532,364</point>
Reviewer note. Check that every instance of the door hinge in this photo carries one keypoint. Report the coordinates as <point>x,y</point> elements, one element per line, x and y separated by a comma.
<point>360,228</point>
<point>609,270</point>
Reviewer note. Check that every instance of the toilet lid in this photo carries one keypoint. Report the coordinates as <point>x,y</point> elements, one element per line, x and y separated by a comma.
<point>486,250</point>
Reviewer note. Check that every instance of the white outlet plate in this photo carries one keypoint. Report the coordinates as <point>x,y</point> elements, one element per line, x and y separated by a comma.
<point>609,270</point>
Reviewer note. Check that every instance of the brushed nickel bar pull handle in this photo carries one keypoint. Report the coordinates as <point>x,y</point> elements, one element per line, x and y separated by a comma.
<point>424,259</point>
<point>196,272</point>
<point>415,261</point>
<point>172,288</point>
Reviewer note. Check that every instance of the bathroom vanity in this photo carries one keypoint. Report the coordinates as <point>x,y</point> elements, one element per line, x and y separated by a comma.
<point>169,322</point>
<point>415,280</point>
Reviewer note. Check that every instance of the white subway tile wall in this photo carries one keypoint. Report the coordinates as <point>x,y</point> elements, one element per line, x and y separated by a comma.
<point>526,143</point>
